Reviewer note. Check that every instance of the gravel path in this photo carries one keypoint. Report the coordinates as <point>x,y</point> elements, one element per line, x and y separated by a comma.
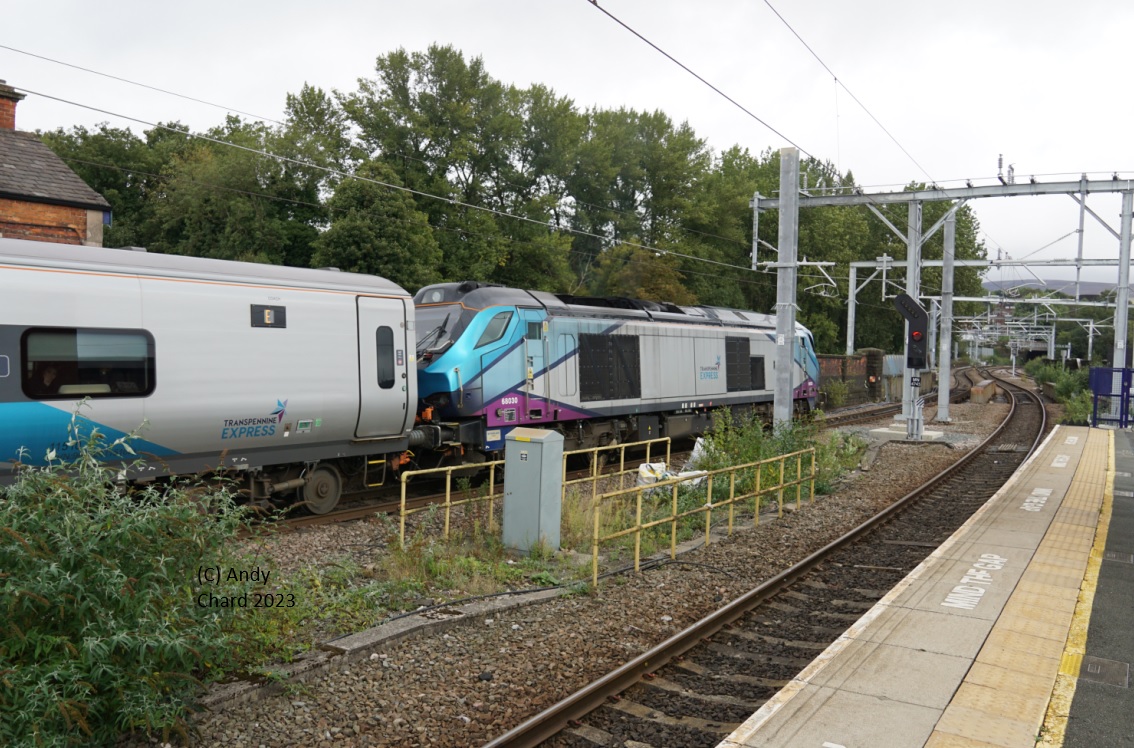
<point>468,684</point>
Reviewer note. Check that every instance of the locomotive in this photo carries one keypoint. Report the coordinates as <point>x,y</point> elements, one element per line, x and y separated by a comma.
<point>297,382</point>
<point>599,370</point>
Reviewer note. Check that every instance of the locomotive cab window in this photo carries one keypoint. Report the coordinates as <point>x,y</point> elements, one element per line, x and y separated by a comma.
<point>71,363</point>
<point>495,330</point>
<point>384,340</point>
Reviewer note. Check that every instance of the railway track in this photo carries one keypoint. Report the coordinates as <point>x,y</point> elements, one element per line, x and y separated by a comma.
<point>380,504</point>
<point>695,688</point>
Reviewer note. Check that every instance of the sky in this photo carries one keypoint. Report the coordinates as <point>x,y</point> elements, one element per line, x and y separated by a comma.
<point>901,91</point>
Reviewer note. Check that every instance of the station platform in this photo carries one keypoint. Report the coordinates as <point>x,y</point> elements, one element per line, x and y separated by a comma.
<point>1016,632</point>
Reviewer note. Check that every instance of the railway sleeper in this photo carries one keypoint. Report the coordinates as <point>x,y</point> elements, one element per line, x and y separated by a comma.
<point>739,654</point>
<point>747,680</point>
<point>649,714</point>
<point>793,643</point>
<point>664,684</point>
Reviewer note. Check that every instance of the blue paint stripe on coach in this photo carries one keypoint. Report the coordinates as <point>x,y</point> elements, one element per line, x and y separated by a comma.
<point>37,426</point>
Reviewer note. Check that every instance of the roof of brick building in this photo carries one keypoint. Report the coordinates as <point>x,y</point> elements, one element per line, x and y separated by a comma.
<point>29,170</point>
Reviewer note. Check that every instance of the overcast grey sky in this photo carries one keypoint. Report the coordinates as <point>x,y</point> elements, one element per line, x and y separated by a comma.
<point>955,83</point>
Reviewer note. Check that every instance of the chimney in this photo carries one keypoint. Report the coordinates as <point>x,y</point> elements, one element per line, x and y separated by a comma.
<point>8,100</point>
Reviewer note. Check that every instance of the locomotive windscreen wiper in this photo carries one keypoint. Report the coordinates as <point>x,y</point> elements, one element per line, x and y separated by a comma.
<point>437,332</point>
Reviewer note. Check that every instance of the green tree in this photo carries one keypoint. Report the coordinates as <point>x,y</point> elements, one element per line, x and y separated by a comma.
<point>122,167</point>
<point>641,274</point>
<point>377,230</point>
<point>232,202</point>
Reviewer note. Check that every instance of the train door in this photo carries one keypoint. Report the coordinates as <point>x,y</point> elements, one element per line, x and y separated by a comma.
<point>537,395</point>
<point>387,393</point>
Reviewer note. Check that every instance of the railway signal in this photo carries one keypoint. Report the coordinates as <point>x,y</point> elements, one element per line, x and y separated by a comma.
<point>918,336</point>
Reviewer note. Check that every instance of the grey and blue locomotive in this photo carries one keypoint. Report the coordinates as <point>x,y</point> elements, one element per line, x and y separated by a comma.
<point>600,370</point>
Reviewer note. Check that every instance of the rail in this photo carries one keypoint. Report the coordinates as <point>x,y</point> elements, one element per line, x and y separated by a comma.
<point>547,723</point>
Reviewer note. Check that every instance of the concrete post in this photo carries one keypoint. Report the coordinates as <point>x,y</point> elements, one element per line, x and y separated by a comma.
<point>945,370</point>
<point>787,245</point>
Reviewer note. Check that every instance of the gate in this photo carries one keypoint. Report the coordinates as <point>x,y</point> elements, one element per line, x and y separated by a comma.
<point>1110,390</point>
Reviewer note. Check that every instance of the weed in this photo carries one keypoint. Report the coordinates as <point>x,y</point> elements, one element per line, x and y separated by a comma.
<point>105,630</point>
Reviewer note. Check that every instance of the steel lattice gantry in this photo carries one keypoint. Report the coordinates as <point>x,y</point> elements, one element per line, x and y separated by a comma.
<point>914,236</point>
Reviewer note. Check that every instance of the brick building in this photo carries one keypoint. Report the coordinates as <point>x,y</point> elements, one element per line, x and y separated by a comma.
<point>40,197</point>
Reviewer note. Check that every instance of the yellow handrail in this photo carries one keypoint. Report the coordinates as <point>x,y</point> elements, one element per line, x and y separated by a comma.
<point>675,515</point>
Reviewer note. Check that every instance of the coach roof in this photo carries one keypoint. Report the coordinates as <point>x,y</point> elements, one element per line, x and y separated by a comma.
<point>139,262</point>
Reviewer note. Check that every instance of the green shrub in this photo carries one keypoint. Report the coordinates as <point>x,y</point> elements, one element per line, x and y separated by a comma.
<point>100,631</point>
<point>1071,384</point>
<point>1077,411</point>
<point>836,391</point>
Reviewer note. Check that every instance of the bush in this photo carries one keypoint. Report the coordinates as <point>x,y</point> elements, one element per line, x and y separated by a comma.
<point>836,391</point>
<point>100,632</point>
<point>1078,409</point>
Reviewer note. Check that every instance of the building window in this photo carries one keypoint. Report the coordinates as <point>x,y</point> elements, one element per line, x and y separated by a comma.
<point>69,363</point>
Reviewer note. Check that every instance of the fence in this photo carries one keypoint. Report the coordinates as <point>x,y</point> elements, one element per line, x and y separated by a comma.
<point>1111,397</point>
<point>448,505</point>
<point>753,472</point>
<point>595,476</point>
<point>673,485</point>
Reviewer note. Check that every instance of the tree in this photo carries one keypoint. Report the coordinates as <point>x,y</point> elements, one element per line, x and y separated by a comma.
<point>377,230</point>
<point>123,168</point>
<point>223,198</point>
<point>641,274</point>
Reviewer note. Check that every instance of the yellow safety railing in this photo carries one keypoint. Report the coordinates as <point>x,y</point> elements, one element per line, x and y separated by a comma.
<point>785,482</point>
<point>596,473</point>
<point>595,476</point>
<point>448,504</point>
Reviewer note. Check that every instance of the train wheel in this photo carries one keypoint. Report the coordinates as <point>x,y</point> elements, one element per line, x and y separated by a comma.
<point>322,491</point>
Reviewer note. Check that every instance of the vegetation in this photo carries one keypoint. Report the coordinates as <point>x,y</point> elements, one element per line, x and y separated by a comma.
<point>433,170</point>
<point>1071,388</point>
<point>733,441</point>
<point>101,629</point>
<point>110,622</point>
<point>836,391</point>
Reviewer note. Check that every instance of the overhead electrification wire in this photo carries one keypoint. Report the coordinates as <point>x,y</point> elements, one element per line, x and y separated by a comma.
<point>136,83</point>
<point>444,229</point>
<point>844,86</point>
<point>284,124</point>
<point>686,68</point>
<point>400,188</point>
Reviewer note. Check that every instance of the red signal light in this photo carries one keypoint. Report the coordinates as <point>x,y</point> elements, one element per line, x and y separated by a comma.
<point>916,336</point>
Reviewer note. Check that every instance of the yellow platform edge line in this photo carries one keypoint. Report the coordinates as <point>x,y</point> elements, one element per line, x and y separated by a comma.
<point>1059,706</point>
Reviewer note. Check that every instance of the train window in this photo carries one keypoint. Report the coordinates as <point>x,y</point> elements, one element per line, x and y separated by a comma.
<point>384,339</point>
<point>4,368</point>
<point>71,363</point>
<point>535,331</point>
<point>495,330</point>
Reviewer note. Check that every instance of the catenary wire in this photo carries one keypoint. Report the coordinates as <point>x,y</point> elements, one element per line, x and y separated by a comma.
<point>420,193</point>
<point>686,68</point>
<point>849,92</point>
<point>398,154</point>
<point>136,83</point>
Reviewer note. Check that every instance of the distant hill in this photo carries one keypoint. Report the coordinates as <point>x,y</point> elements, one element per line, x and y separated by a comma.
<point>1087,289</point>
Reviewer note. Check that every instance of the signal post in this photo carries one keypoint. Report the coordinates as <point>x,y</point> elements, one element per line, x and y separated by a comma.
<point>917,337</point>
